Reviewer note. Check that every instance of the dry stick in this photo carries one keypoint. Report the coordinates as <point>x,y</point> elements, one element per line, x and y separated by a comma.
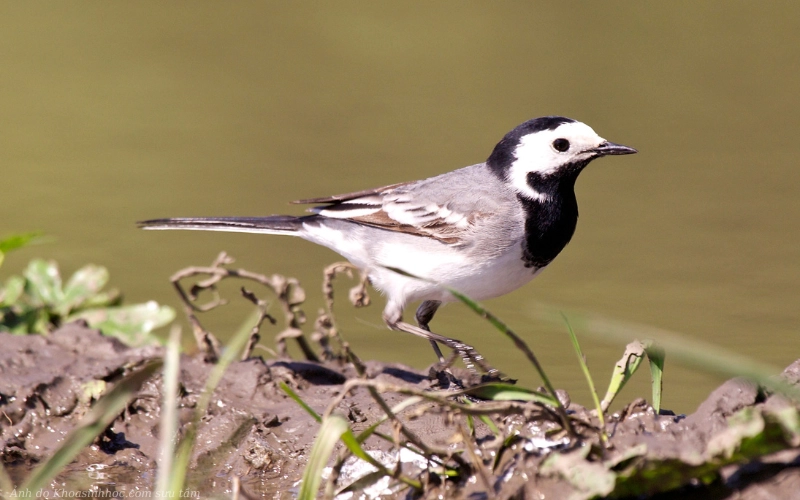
<point>361,370</point>
<point>483,474</point>
<point>207,343</point>
<point>410,436</point>
<point>345,453</point>
<point>327,328</point>
<point>262,315</point>
<point>442,398</point>
<point>288,290</point>
<point>326,323</point>
<point>336,470</point>
<point>372,388</point>
<point>398,426</point>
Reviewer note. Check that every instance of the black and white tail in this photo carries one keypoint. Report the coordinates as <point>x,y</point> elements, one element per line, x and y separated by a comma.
<point>273,224</point>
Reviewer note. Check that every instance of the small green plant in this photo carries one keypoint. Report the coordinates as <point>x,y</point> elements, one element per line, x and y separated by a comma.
<point>16,241</point>
<point>627,366</point>
<point>38,301</point>
<point>585,369</point>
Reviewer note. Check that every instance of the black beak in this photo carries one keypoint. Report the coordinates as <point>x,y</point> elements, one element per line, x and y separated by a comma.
<point>610,148</point>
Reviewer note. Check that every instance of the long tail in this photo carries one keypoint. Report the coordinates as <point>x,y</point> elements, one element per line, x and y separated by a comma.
<point>274,224</point>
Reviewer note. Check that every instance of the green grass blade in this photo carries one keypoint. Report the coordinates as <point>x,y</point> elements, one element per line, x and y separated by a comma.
<point>354,445</point>
<point>498,391</point>
<point>490,424</point>
<point>483,418</point>
<point>349,440</point>
<point>331,430</point>
<point>102,414</point>
<point>168,425</point>
<point>230,353</point>
<point>17,241</point>
<point>352,441</point>
<point>520,344</point>
<point>656,355</point>
<point>623,371</point>
<point>471,426</point>
<point>363,435</point>
<point>290,392</point>
<point>585,368</point>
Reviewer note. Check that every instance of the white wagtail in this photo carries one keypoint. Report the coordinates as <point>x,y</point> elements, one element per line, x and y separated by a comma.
<point>484,230</point>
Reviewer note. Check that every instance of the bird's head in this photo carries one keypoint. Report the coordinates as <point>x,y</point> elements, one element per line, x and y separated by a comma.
<point>545,151</point>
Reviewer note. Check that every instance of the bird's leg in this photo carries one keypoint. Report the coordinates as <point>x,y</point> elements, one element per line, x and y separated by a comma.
<point>424,315</point>
<point>393,316</point>
<point>439,372</point>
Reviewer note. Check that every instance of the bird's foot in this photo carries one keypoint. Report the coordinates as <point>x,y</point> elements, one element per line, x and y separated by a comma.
<point>445,376</point>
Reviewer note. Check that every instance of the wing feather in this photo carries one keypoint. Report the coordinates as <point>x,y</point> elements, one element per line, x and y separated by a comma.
<point>443,208</point>
<point>392,208</point>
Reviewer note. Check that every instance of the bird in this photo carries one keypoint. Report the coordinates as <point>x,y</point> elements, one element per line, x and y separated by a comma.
<point>484,230</point>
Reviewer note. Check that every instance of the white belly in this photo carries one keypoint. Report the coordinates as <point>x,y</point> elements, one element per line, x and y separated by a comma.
<point>478,279</point>
<point>479,275</point>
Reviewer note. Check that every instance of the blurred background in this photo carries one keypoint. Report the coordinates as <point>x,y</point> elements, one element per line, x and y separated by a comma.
<point>116,112</point>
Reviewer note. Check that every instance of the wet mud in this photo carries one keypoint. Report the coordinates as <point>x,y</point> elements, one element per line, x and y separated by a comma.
<point>255,435</point>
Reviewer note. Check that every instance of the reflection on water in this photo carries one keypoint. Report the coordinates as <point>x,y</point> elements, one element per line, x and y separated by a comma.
<point>120,112</point>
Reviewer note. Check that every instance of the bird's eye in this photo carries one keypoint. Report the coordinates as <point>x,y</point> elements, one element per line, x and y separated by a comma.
<point>561,145</point>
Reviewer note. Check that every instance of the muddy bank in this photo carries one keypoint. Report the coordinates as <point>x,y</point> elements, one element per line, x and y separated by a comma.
<point>255,432</point>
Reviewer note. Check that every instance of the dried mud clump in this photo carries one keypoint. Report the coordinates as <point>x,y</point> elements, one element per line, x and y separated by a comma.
<point>255,436</point>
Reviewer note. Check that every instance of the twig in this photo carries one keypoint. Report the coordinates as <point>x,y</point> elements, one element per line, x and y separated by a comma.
<point>444,400</point>
<point>263,314</point>
<point>479,467</point>
<point>289,293</point>
<point>325,326</point>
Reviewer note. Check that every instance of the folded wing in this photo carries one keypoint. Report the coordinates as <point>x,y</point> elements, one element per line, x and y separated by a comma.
<point>423,209</point>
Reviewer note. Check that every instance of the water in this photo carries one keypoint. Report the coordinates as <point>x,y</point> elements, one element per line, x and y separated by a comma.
<point>113,113</point>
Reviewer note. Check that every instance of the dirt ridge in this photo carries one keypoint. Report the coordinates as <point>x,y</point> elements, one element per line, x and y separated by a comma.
<point>255,432</point>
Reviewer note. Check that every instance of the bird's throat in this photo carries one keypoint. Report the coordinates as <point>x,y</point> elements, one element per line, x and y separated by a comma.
<point>550,221</point>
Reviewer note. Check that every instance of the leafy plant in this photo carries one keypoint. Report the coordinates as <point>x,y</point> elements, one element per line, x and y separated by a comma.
<point>38,301</point>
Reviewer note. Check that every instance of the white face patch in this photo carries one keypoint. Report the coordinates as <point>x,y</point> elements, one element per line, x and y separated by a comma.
<point>535,153</point>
